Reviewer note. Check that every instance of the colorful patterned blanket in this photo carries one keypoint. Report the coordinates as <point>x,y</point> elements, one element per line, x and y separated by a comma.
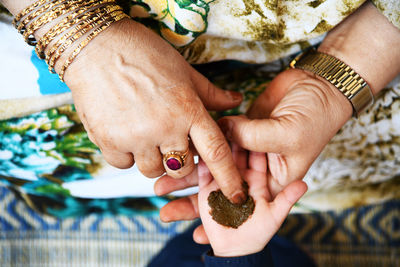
<point>363,236</point>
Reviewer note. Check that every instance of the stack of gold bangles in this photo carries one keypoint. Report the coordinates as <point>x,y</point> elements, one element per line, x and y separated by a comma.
<point>78,22</point>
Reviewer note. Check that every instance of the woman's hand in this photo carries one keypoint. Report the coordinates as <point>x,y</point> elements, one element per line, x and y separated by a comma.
<point>300,112</point>
<point>253,234</point>
<point>292,121</point>
<point>138,99</point>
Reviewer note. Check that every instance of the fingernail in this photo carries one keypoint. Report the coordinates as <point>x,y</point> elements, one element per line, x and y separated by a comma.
<point>239,197</point>
<point>235,96</point>
<point>226,127</point>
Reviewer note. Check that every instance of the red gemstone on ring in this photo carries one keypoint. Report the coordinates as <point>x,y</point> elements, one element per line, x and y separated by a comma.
<point>173,164</point>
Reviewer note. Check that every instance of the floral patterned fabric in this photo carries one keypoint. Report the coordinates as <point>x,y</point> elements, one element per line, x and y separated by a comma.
<point>247,30</point>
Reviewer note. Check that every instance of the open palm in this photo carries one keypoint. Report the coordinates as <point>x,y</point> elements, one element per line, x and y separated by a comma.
<point>253,234</point>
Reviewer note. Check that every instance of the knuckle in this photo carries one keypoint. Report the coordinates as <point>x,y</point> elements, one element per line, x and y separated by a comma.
<point>150,172</point>
<point>121,164</point>
<point>247,137</point>
<point>211,92</point>
<point>217,150</point>
<point>148,167</point>
<point>106,139</point>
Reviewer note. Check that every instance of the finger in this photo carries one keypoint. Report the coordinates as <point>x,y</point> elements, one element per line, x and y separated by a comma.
<point>204,175</point>
<point>178,169</point>
<point>285,200</point>
<point>215,151</point>
<point>200,236</point>
<point>213,97</point>
<point>258,161</point>
<point>239,156</point>
<point>181,209</point>
<point>266,135</point>
<point>167,184</point>
<point>149,162</point>
<point>118,159</point>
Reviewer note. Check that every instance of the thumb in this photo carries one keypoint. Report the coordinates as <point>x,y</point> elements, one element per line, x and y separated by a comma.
<point>213,97</point>
<point>200,236</point>
<point>285,200</point>
<point>259,135</point>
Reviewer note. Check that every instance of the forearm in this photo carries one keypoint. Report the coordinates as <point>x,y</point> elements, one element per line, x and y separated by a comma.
<point>369,43</point>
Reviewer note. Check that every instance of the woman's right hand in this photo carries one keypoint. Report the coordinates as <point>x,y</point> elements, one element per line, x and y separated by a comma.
<point>138,99</point>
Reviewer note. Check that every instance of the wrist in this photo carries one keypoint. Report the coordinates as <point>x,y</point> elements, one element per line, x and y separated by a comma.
<point>59,27</point>
<point>338,103</point>
<point>368,43</point>
<point>103,43</point>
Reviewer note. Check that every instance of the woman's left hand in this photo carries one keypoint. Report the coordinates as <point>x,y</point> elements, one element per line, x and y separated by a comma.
<point>291,121</point>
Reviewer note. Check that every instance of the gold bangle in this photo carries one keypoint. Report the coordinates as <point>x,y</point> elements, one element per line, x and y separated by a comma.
<point>81,29</point>
<point>113,18</point>
<point>64,25</point>
<point>21,26</point>
<point>54,13</point>
<point>80,18</point>
<point>26,11</point>
<point>78,31</point>
<point>69,37</point>
<point>342,76</point>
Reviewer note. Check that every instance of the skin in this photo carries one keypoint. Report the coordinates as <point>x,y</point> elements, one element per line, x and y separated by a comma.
<point>138,99</point>
<point>299,112</point>
<point>269,213</point>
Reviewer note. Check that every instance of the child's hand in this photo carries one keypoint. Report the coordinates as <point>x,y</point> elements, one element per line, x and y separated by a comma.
<point>253,235</point>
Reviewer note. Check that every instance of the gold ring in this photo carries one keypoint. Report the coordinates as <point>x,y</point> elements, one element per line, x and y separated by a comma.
<point>175,160</point>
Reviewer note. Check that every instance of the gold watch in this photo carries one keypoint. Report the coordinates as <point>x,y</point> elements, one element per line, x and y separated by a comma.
<point>342,76</point>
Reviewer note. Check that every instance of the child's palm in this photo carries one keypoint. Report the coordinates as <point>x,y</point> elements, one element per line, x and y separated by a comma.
<point>258,229</point>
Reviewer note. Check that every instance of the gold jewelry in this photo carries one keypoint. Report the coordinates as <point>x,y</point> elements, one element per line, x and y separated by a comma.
<point>52,14</point>
<point>81,19</point>
<point>114,18</point>
<point>77,32</point>
<point>175,160</point>
<point>342,76</point>
<point>48,5</point>
<point>64,25</point>
<point>89,22</point>
<point>26,11</point>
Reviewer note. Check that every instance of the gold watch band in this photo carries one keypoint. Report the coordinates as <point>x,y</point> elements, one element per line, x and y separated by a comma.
<point>342,76</point>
